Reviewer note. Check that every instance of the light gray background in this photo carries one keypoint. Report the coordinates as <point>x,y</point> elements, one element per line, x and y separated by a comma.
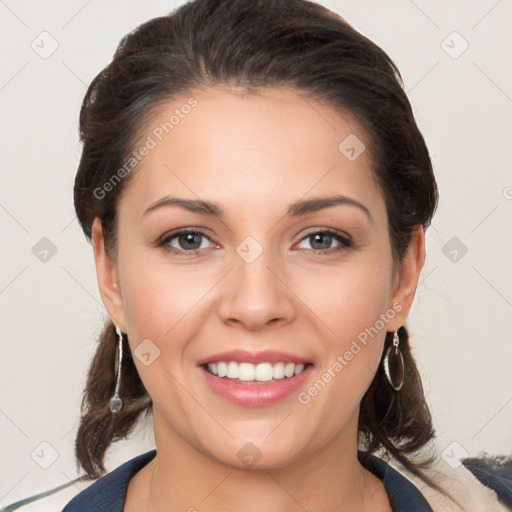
<point>51,311</point>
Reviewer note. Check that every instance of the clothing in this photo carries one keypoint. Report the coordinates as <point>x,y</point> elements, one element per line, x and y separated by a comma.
<point>406,492</point>
<point>109,494</point>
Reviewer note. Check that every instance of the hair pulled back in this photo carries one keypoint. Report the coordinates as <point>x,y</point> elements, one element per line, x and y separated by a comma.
<point>248,45</point>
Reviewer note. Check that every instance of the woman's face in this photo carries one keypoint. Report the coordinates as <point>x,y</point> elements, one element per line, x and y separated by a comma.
<point>265,272</point>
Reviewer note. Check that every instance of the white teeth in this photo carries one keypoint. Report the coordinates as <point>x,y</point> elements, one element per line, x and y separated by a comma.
<point>278,371</point>
<point>246,371</point>
<point>264,372</point>
<point>232,371</point>
<point>298,369</point>
<point>289,369</point>
<point>222,369</point>
<point>260,372</point>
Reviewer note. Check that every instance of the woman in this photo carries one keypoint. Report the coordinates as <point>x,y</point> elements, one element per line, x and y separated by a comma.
<point>257,192</point>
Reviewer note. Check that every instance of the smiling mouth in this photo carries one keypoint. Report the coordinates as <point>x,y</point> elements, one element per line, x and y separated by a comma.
<point>246,373</point>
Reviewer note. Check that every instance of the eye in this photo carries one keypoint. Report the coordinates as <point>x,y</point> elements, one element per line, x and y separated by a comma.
<point>321,241</point>
<point>187,241</point>
<point>191,242</point>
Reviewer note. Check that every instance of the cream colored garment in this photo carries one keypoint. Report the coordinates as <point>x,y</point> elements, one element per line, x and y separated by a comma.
<point>472,495</point>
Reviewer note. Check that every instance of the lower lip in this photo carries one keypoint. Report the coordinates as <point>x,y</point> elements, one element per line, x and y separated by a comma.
<point>255,393</point>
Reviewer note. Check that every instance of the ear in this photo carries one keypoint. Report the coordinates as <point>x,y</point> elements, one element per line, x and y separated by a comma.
<point>406,277</point>
<point>106,274</point>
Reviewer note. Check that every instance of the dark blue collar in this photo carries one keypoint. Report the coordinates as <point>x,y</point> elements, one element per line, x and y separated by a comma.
<point>108,493</point>
<point>403,495</point>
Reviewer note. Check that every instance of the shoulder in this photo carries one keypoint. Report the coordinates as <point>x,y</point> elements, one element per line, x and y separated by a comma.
<point>51,500</point>
<point>483,483</point>
<point>83,495</point>
<point>108,493</point>
<point>494,472</point>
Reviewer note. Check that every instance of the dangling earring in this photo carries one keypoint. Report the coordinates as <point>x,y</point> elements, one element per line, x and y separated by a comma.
<point>116,402</point>
<point>394,364</point>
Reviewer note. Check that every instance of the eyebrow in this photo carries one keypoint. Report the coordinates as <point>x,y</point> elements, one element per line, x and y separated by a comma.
<point>301,207</point>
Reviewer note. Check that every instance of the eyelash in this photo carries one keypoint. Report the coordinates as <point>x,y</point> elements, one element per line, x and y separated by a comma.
<point>345,242</point>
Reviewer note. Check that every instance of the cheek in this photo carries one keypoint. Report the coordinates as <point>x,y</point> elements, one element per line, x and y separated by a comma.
<point>159,299</point>
<point>350,298</point>
<point>163,306</point>
<point>355,306</point>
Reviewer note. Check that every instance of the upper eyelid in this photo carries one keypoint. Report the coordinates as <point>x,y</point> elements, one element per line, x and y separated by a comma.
<point>332,231</point>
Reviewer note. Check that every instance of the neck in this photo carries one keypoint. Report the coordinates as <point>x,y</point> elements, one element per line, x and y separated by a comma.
<point>182,478</point>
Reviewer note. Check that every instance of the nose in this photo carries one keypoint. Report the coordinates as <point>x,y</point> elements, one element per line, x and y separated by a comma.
<point>256,294</point>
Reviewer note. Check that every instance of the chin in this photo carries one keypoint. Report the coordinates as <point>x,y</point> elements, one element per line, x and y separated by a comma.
<point>256,454</point>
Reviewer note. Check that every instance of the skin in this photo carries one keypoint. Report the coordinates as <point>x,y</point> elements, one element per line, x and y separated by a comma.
<point>254,155</point>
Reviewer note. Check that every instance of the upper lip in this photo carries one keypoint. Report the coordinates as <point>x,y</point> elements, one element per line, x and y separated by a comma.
<point>245,356</point>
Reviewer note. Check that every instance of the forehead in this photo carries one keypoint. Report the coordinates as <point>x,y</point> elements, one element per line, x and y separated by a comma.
<point>241,150</point>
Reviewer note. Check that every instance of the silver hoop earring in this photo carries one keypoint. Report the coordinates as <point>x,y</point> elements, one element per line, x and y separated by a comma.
<point>394,364</point>
<point>116,403</point>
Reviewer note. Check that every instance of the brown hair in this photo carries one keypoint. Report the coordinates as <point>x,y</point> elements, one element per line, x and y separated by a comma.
<point>250,44</point>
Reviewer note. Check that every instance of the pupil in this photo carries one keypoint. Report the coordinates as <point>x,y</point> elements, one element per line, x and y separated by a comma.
<point>326,239</point>
<point>189,238</point>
